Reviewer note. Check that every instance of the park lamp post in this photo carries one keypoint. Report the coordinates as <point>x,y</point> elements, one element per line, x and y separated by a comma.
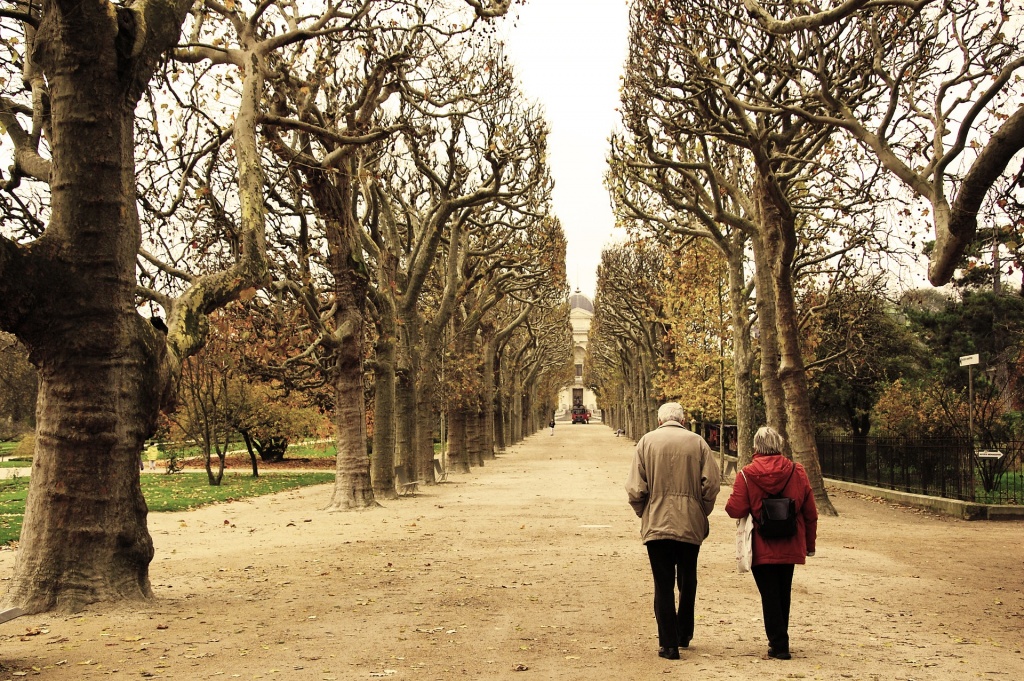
<point>969,361</point>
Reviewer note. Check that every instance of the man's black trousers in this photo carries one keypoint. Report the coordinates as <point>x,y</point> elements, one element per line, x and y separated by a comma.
<point>674,563</point>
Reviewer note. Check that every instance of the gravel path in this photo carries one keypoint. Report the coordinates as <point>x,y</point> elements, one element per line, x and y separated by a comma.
<point>531,568</point>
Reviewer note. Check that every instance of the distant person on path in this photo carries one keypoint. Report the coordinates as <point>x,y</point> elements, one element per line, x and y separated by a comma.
<point>152,453</point>
<point>552,427</point>
<point>672,486</point>
<point>772,473</point>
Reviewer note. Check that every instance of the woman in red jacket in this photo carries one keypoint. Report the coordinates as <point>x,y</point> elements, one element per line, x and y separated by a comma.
<point>772,473</point>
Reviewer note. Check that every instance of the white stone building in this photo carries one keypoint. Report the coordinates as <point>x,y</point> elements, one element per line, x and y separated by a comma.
<point>581,314</point>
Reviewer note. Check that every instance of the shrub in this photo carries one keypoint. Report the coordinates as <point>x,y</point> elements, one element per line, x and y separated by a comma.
<point>25,449</point>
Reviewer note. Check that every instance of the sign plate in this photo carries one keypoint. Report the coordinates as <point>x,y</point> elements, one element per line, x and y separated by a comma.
<point>967,360</point>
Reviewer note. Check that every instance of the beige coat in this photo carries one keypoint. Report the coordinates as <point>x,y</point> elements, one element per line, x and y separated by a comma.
<point>673,484</point>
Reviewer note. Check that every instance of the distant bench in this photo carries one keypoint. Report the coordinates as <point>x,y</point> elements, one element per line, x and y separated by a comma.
<point>403,484</point>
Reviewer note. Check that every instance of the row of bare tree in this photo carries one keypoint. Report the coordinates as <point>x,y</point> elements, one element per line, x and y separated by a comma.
<point>365,169</point>
<point>799,139</point>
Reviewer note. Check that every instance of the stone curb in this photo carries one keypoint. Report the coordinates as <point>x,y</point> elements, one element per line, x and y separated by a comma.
<point>966,510</point>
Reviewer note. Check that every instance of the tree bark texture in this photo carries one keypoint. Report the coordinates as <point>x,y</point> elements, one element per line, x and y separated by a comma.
<point>69,296</point>
<point>473,412</point>
<point>767,337</point>
<point>104,372</point>
<point>422,341</point>
<point>499,406</point>
<point>405,419</point>
<point>415,437</point>
<point>458,459</point>
<point>428,417</point>
<point>459,406</point>
<point>488,405</point>
<point>352,485</point>
<point>84,537</point>
<point>383,460</point>
<point>514,408</point>
<point>779,239</point>
<point>333,197</point>
<point>475,436</point>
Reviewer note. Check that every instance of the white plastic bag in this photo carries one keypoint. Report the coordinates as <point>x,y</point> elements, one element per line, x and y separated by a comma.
<point>744,543</point>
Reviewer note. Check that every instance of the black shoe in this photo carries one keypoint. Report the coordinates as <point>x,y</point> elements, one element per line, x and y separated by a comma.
<point>684,644</point>
<point>779,654</point>
<point>669,653</point>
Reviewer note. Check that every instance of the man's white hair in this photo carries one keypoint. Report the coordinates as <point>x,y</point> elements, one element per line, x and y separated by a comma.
<point>671,411</point>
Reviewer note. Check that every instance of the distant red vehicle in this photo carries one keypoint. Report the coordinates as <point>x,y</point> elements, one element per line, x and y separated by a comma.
<point>580,415</point>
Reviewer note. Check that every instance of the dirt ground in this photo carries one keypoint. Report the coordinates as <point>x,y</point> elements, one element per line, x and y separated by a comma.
<point>532,568</point>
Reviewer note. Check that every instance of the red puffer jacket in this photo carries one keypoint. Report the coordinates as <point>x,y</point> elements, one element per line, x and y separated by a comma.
<point>767,473</point>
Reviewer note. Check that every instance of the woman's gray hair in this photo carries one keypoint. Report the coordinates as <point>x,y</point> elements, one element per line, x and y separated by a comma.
<point>768,441</point>
<point>671,411</point>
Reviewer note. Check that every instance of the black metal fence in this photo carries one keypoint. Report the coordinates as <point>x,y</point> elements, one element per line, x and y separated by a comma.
<point>942,467</point>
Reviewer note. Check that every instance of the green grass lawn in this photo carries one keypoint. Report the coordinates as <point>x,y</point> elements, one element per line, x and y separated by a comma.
<point>326,450</point>
<point>6,450</point>
<point>178,492</point>
<point>1009,490</point>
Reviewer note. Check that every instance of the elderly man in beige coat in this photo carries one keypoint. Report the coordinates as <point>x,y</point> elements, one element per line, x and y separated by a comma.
<point>672,486</point>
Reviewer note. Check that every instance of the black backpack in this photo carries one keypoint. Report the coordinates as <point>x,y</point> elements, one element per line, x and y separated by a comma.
<point>778,514</point>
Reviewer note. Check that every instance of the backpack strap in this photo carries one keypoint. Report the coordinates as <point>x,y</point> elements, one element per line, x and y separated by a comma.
<point>747,481</point>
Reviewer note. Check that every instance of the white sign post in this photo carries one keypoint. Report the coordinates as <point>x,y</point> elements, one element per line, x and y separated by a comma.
<point>969,361</point>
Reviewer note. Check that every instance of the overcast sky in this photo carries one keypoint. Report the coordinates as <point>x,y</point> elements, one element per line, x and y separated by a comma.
<point>569,54</point>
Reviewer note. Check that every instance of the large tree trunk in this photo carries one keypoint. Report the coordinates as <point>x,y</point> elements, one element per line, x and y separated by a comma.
<point>627,415</point>
<point>499,407</point>
<point>474,436</point>
<point>650,400</point>
<point>780,246</point>
<point>487,401</point>
<point>458,460</point>
<point>405,418</point>
<point>332,194</point>
<point>519,415</point>
<point>70,297</point>
<point>428,413</point>
<point>384,436</point>
<point>771,387</point>
<point>532,410</point>
<point>352,484</point>
<point>473,409</point>
<point>84,537</point>
<point>103,373</point>
<point>527,414</point>
<point>515,408</point>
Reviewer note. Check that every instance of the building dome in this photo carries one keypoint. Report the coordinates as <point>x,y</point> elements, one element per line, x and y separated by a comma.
<point>578,300</point>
